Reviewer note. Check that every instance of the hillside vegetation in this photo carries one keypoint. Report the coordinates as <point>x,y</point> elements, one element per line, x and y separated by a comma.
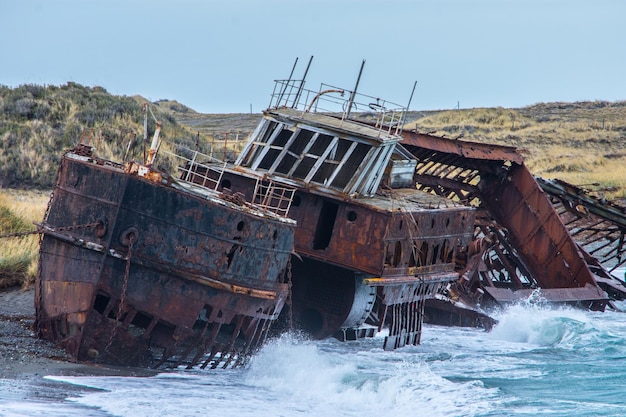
<point>19,254</point>
<point>581,143</point>
<point>37,123</point>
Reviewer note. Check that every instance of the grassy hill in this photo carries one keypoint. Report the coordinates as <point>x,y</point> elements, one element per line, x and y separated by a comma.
<point>37,123</point>
<point>581,143</point>
<point>18,255</point>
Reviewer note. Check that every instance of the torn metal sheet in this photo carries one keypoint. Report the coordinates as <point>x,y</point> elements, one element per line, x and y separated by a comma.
<point>597,225</point>
<point>520,242</point>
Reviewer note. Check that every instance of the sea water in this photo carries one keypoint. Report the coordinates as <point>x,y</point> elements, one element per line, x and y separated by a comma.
<point>536,361</point>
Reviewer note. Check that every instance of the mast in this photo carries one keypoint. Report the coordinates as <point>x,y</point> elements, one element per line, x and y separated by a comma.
<point>353,94</point>
<point>297,98</point>
<point>282,93</point>
<point>408,105</point>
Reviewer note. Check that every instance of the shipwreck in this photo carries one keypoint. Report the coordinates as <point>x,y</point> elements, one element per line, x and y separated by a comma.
<point>333,219</point>
<point>397,227</point>
<point>140,268</point>
<point>525,241</point>
<point>372,247</point>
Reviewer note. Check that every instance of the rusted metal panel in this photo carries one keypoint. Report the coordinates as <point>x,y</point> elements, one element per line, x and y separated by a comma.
<point>470,150</point>
<point>166,276</point>
<point>530,245</point>
<point>67,296</point>
<point>539,235</point>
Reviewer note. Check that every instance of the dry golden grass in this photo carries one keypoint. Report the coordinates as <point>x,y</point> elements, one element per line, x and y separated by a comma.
<point>19,255</point>
<point>580,143</point>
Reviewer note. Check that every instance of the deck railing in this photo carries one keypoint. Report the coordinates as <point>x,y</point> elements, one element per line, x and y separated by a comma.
<point>274,197</point>
<point>384,115</point>
<point>205,171</point>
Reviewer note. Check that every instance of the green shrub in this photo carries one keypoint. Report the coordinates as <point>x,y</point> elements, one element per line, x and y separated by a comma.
<point>39,123</point>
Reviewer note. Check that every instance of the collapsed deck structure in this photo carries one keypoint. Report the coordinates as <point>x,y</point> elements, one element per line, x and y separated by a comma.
<point>138,268</point>
<point>598,227</point>
<point>521,244</point>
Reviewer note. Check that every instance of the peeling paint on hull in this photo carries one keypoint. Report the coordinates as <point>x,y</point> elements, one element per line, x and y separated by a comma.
<point>138,272</point>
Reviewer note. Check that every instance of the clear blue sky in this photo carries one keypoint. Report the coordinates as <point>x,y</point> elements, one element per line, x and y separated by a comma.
<point>222,56</point>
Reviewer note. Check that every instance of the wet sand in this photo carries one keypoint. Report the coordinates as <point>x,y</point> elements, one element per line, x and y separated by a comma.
<point>23,356</point>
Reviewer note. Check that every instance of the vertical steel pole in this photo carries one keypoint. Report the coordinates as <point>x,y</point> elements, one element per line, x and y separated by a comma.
<point>353,94</point>
<point>295,101</point>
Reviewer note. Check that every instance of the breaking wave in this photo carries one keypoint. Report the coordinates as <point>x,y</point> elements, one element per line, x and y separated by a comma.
<point>536,361</point>
<point>292,376</point>
<point>325,382</point>
<point>539,324</point>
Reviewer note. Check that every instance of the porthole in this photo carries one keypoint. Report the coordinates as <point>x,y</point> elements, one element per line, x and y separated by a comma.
<point>351,216</point>
<point>101,228</point>
<point>129,236</point>
<point>240,226</point>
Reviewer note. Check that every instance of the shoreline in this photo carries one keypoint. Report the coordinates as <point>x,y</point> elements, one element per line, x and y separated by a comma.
<point>24,356</point>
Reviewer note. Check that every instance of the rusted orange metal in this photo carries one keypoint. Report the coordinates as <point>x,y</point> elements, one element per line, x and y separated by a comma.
<point>529,247</point>
<point>536,231</point>
<point>138,270</point>
<point>473,150</point>
<point>371,247</point>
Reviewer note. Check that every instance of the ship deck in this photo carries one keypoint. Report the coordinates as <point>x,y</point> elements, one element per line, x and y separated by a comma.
<point>326,121</point>
<point>409,200</point>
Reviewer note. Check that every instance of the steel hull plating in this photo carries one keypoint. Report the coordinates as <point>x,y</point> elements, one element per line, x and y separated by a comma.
<point>141,273</point>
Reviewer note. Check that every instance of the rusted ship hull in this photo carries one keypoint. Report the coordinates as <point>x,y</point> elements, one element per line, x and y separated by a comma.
<point>371,247</point>
<point>141,272</point>
<point>361,267</point>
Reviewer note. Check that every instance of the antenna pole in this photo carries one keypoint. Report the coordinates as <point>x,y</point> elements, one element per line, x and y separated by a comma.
<point>353,94</point>
<point>409,104</point>
<point>282,93</point>
<point>306,71</point>
<point>145,129</point>
<point>411,97</point>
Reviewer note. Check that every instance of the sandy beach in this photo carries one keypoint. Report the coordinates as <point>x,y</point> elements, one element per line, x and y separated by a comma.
<point>24,356</point>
